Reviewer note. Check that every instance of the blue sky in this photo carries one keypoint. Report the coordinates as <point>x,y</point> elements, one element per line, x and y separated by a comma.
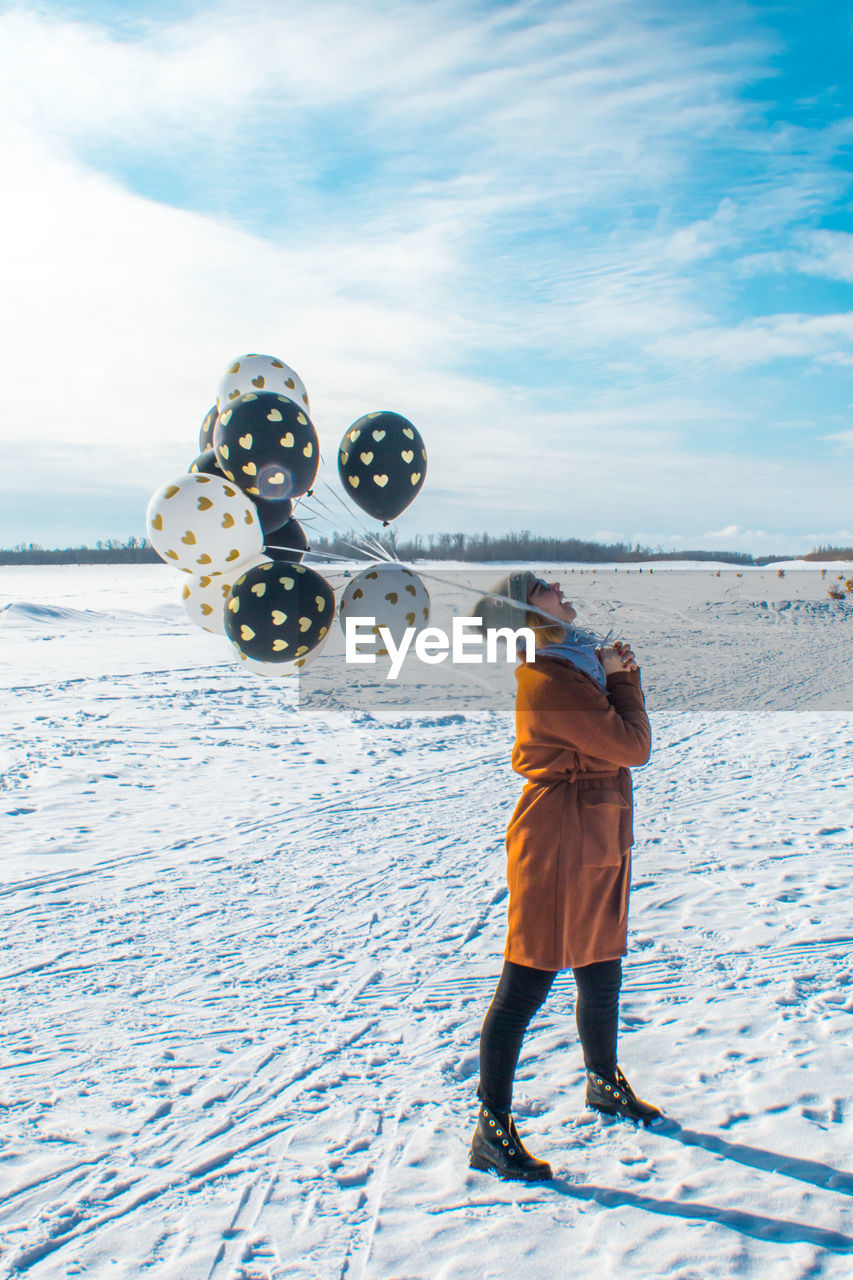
<point>600,253</point>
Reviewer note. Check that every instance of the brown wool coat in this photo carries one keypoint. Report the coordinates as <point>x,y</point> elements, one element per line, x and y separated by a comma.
<point>568,842</point>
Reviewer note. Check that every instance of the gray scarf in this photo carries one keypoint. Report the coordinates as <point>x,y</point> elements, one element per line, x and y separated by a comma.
<point>578,648</point>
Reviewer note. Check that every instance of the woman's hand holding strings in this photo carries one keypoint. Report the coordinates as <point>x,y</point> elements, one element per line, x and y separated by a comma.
<point>618,657</point>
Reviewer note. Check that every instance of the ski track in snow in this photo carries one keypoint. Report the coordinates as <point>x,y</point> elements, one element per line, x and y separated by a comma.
<point>248,950</point>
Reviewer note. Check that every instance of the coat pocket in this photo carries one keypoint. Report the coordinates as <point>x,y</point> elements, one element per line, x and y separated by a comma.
<point>601,812</point>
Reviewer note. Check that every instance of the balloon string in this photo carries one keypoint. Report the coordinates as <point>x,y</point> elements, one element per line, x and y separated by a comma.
<point>351,516</point>
<point>516,604</point>
<point>367,554</point>
<point>375,547</point>
<point>326,555</point>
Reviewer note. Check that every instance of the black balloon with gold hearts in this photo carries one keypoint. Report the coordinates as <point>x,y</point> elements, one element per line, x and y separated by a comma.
<point>268,446</point>
<point>288,543</point>
<point>205,435</point>
<point>382,463</point>
<point>278,612</point>
<point>206,464</point>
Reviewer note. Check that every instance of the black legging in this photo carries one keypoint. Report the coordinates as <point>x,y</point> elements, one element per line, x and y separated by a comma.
<point>521,992</point>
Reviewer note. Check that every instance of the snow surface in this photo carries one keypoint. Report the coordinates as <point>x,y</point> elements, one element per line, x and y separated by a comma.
<point>249,945</point>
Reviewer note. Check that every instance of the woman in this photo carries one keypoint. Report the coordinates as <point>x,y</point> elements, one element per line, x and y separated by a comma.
<point>580,726</point>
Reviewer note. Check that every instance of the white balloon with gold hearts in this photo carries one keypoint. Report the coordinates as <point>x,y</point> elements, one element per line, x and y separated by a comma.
<point>391,596</point>
<point>203,525</point>
<point>255,372</point>
<point>204,596</point>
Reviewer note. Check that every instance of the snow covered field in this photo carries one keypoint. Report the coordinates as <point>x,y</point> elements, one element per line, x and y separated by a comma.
<point>248,946</point>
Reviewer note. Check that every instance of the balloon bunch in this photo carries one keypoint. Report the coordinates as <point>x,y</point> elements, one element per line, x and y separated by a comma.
<point>228,522</point>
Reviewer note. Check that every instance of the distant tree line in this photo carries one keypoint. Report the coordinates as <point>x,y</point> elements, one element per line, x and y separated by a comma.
<point>112,551</point>
<point>524,546</point>
<point>830,553</point>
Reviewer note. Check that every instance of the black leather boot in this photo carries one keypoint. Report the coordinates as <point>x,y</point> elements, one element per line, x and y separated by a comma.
<point>497,1148</point>
<point>615,1097</point>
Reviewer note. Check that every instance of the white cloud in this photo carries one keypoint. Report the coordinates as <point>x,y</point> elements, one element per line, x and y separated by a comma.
<point>844,439</point>
<point>757,342</point>
<point>828,254</point>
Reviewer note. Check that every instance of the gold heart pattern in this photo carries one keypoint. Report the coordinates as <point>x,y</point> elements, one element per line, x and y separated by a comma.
<point>171,490</point>
<point>250,469</point>
<point>223,449</point>
<point>366,458</point>
<point>232,555</point>
<point>279,645</point>
<point>304,624</point>
<point>189,538</point>
<point>381,481</point>
<point>308,450</point>
<point>204,504</point>
<point>378,435</point>
<point>207,609</point>
<point>409,433</point>
<point>410,618</point>
<point>258,589</point>
<point>320,603</point>
<point>157,521</point>
<point>392,596</point>
<point>287,583</point>
<point>226,417</point>
<point>407,455</point>
<point>274,415</point>
<point>415,477</point>
<point>353,481</point>
<point>287,440</point>
<point>245,441</point>
<point>259,382</point>
<point>228,521</point>
<point>412,590</point>
<point>246,633</point>
<point>278,618</point>
<point>233,604</point>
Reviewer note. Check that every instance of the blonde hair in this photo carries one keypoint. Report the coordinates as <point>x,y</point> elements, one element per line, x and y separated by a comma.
<point>545,630</point>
